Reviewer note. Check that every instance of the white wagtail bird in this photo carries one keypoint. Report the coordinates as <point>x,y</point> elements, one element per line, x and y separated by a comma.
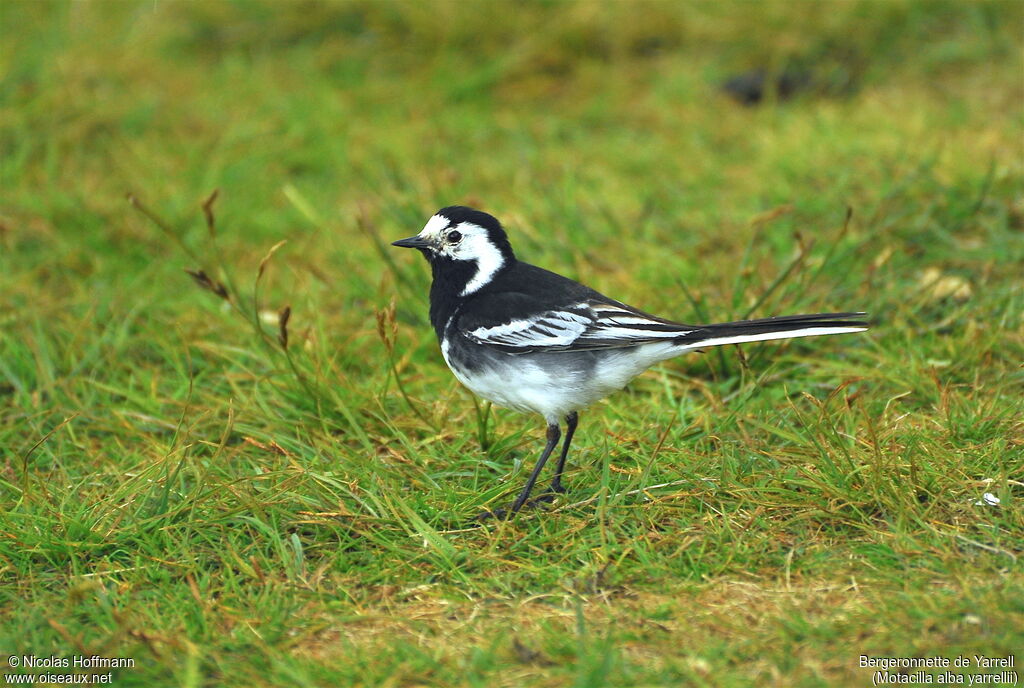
<point>530,340</point>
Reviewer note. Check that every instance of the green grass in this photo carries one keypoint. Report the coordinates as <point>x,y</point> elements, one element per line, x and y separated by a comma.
<point>179,489</point>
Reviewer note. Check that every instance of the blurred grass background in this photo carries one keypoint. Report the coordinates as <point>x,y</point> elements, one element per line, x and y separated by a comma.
<point>177,489</point>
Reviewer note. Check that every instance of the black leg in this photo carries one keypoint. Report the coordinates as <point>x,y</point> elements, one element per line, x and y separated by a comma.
<point>570,427</point>
<point>553,435</point>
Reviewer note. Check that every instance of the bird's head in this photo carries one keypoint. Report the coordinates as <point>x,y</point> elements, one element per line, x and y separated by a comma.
<point>464,241</point>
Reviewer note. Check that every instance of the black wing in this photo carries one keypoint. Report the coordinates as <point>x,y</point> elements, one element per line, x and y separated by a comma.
<point>511,322</point>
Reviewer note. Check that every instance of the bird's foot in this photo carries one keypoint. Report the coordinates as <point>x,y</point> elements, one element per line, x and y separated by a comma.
<point>497,515</point>
<point>545,497</point>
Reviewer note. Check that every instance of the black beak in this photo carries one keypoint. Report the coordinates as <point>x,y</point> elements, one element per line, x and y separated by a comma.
<point>411,242</point>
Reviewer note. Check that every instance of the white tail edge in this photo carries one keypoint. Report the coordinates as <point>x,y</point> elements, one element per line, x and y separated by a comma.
<point>765,336</point>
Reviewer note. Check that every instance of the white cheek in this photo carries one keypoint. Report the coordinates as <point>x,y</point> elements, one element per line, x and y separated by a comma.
<point>487,257</point>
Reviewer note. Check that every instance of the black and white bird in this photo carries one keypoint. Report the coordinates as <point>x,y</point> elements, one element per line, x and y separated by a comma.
<point>530,340</point>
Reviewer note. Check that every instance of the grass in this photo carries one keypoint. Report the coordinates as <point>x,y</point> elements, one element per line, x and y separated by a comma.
<point>180,489</point>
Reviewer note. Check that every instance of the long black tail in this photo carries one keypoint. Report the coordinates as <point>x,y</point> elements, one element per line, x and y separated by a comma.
<point>784,327</point>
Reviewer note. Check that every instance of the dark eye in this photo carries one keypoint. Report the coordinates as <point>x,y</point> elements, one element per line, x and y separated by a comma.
<point>454,236</point>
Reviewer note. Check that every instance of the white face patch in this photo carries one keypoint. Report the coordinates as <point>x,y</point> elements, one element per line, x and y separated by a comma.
<point>476,246</point>
<point>473,246</point>
<point>432,230</point>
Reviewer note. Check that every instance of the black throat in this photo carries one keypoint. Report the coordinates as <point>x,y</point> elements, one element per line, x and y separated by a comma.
<point>450,278</point>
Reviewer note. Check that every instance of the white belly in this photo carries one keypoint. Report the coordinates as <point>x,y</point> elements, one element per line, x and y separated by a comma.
<point>556,384</point>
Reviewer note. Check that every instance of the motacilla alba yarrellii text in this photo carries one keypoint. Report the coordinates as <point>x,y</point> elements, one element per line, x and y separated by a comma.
<point>530,340</point>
